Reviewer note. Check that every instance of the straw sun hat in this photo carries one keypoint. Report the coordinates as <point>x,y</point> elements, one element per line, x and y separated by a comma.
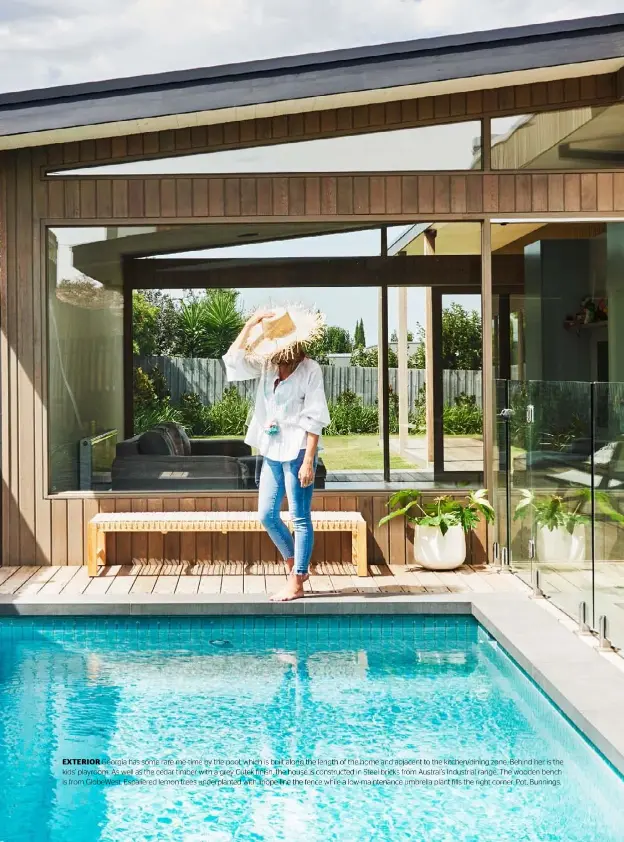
<point>288,328</point>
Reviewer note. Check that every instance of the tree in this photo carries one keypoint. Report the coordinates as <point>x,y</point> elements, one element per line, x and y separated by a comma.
<point>208,324</point>
<point>461,340</point>
<point>144,321</point>
<point>154,322</point>
<point>317,349</point>
<point>394,337</point>
<point>337,340</point>
<point>369,358</point>
<point>359,338</point>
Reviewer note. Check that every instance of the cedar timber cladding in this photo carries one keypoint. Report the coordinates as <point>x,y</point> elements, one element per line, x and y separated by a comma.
<point>39,529</point>
<point>386,543</point>
<point>338,122</point>
<point>379,196</point>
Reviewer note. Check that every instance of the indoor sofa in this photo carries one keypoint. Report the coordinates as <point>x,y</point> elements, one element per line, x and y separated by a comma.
<point>164,458</point>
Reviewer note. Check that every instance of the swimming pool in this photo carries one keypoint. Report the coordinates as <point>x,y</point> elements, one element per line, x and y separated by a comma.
<point>284,728</point>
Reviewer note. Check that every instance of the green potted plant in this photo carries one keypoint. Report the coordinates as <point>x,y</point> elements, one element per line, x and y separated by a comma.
<point>559,525</point>
<point>440,527</point>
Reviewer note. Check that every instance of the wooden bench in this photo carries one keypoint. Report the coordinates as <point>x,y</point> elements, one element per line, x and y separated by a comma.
<point>224,522</point>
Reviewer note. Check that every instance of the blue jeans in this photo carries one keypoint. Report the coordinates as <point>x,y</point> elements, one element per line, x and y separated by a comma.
<point>276,480</point>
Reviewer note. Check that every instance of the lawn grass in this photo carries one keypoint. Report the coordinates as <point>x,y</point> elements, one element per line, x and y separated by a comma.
<point>361,452</point>
<point>357,453</point>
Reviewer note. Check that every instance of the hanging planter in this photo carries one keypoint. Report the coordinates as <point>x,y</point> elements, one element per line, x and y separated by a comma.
<point>440,527</point>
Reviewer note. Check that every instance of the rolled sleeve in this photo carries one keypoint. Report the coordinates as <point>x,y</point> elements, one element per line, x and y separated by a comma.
<point>315,413</point>
<point>239,367</point>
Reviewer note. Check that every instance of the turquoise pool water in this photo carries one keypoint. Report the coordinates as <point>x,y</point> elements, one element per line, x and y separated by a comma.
<point>303,705</point>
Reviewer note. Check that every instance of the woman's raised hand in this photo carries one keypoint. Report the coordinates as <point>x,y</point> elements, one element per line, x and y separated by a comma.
<point>258,316</point>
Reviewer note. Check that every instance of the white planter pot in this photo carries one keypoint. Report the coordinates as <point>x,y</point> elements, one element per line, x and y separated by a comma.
<point>559,545</point>
<point>435,551</point>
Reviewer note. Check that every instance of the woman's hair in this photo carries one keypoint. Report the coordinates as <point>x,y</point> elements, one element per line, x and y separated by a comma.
<point>293,354</point>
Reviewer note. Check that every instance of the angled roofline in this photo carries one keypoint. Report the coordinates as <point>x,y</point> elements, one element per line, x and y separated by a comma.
<point>556,30</point>
<point>312,82</point>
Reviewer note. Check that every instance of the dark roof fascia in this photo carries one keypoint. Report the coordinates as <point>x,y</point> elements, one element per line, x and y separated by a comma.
<point>354,56</point>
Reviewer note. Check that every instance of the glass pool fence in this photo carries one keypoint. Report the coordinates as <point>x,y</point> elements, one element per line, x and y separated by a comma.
<point>559,494</point>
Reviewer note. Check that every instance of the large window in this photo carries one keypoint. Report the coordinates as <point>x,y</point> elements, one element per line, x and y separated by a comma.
<point>449,146</point>
<point>434,365</point>
<point>576,139</point>
<point>85,363</point>
<point>140,317</point>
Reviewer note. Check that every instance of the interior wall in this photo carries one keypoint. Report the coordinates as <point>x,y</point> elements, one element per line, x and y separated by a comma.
<point>615,293</point>
<point>533,311</point>
<point>558,275</point>
<point>565,282</point>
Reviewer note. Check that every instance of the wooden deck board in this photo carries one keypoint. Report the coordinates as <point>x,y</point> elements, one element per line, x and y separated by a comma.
<point>166,584</point>
<point>123,581</point>
<point>101,583</point>
<point>6,572</point>
<point>78,584</point>
<point>57,583</point>
<point>143,584</point>
<point>20,575</point>
<point>237,578</point>
<point>253,579</point>
<point>188,584</point>
<point>37,581</point>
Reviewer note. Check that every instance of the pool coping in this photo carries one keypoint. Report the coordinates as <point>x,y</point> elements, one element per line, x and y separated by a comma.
<point>584,685</point>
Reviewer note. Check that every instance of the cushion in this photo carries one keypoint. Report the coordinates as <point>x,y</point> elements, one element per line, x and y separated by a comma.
<point>127,447</point>
<point>156,442</point>
<point>220,447</point>
<point>181,442</point>
<point>170,473</point>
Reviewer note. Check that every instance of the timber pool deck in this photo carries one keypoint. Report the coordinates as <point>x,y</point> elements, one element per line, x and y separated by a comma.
<point>237,578</point>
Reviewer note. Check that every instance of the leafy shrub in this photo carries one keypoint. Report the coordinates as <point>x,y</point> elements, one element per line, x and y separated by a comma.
<point>146,417</point>
<point>144,390</point>
<point>152,401</point>
<point>195,415</point>
<point>227,417</point>
<point>349,415</point>
<point>561,436</point>
<point>551,511</point>
<point>464,417</point>
<point>418,414</point>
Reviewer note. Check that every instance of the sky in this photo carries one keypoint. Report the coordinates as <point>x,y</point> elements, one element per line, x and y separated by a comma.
<point>52,42</point>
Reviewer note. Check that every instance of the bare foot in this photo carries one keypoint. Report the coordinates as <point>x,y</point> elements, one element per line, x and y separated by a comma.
<point>290,564</point>
<point>293,589</point>
<point>288,658</point>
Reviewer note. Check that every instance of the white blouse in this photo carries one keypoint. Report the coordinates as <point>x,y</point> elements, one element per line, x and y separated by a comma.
<point>298,405</point>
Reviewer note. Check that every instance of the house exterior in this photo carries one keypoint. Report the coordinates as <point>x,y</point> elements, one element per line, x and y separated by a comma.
<point>514,192</point>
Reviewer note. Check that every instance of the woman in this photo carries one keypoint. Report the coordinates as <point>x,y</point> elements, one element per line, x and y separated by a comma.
<point>289,414</point>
